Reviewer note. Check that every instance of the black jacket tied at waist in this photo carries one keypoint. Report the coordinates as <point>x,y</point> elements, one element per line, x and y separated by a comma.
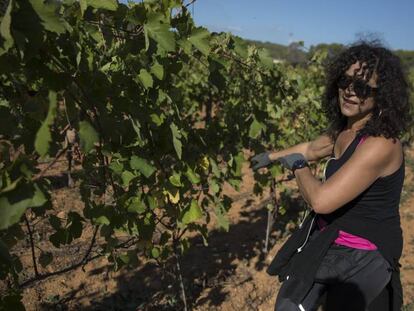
<point>300,267</point>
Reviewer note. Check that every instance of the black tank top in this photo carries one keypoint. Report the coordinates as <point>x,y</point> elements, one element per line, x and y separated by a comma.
<point>374,214</point>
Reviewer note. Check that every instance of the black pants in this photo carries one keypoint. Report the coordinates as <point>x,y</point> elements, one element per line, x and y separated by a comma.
<point>347,279</point>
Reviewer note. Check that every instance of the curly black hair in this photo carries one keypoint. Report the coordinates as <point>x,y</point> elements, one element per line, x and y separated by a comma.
<point>391,114</point>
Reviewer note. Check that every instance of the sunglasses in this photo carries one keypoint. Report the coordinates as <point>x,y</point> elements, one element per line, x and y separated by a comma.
<point>359,86</point>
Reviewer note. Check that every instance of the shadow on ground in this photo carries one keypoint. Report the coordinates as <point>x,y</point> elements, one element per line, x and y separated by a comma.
<point>213,266</point>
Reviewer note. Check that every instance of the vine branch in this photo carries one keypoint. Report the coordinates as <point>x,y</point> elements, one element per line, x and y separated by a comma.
<point>31,245</point>
<point>85,258</point>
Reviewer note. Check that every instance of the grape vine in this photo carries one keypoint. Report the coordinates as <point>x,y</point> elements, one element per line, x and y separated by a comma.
<point>158,111</point>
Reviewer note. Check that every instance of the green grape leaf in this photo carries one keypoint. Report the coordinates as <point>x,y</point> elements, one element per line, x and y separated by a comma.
<point>214,168</point>
<point>235,183</point>
<point>124,258</point>
<point>256,128</point>
<point>193,177</point>
<point>142,165</point>
<point>175,180</point>
<point>200,39</point>
<point>276,170</point>
<point>83,6</point>
<point>116,167</point>
<point>191,213</point>
<point>110,5</point>
<point>185,45</point>
<point>48,11</point>
<point>43,136</point>
<point>176,139</point>
<point>240,47</point>
<point>158,71</point>
<point>157,119</point>
<point>152,202</point>
<point>96,34</point>
<point>126,177</point>
<point>265,58</point>
<point>160,33</point>
<point>11,186</point>
<point>102,220</point>
<point>222,220</point>
<point>12,210</point>
<point>146,78</point>
<point>214,187</point>
<point>136,205</point>
<point>238,163</point>
<point>87,135</point>
<point>5,29</point>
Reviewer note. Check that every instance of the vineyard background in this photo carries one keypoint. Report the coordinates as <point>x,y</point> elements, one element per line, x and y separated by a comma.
<point>228,274</point>
<point>125,132</point>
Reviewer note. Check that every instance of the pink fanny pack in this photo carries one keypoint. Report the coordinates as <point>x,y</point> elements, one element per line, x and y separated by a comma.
<point>349,240</point>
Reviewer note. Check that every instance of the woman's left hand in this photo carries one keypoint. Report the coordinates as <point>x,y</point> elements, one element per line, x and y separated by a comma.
<point>287,161</point>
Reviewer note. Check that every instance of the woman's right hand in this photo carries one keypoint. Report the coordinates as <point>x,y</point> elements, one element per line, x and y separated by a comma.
<point>261,160</point>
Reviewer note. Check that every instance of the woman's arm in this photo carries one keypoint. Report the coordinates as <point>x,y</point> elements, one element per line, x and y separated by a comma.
<point>319,148</point>
<point>369,161</point>
<point>314,150</point>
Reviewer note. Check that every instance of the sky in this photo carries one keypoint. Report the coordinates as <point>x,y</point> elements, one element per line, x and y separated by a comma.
<point>311,21</point>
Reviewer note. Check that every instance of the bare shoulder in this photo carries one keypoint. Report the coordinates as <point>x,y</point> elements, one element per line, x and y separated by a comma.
<point>386,153</point>
<point>382,145</point>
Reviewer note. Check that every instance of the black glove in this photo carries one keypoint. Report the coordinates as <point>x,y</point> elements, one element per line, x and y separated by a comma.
<point>261,160</point>
<point>288,160</point>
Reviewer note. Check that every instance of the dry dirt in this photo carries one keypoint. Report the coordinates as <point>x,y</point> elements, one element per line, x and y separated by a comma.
<point>228,274</point>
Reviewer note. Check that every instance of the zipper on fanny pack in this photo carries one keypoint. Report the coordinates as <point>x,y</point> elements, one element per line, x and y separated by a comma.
<point>307,235</point>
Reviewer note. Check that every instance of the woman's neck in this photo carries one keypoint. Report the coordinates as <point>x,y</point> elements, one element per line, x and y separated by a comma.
<point>354,124</point>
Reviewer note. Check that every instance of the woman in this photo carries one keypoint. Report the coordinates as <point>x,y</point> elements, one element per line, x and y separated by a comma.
<point>349,246</point>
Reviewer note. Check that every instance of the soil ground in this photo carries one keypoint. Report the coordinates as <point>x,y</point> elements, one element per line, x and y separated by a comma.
<point>228,274</point>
